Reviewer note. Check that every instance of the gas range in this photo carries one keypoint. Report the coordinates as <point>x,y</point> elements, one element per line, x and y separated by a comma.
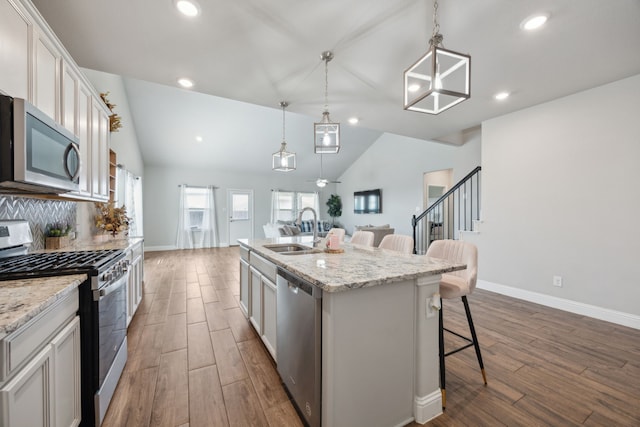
<point>94,263</point>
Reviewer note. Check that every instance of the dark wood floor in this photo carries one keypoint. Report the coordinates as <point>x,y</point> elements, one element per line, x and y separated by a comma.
<point>195,361</point>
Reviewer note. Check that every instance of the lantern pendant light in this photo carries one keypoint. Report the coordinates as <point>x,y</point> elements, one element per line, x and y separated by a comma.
<point>440,79</point>
<point>326,134</point>
<point>284,160</point>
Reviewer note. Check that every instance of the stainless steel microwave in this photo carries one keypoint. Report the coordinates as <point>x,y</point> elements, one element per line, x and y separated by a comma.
<point>37,155</point>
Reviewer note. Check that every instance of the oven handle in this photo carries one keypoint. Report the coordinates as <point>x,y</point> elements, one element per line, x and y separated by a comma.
<point>103,292</point>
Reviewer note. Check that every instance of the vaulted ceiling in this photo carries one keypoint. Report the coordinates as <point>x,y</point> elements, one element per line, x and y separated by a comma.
<point>261,52</point>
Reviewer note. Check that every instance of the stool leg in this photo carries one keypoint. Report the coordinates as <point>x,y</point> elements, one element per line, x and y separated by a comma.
<point>441,350</point>
<point>474,337</point>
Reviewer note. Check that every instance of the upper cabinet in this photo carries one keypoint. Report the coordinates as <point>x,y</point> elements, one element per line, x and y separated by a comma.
<point>14,51</point>
<point>35,66</point>
<point>46,76</point>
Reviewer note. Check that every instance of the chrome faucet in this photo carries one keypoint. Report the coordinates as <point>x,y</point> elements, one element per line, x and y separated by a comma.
<point>315,223</point>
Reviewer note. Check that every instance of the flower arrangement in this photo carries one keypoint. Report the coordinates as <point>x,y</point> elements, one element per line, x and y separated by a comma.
<point>114,118</point>
<point>111,219</point>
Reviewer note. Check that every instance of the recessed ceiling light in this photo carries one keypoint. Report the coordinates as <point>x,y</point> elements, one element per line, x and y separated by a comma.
<point>188,7</point>
<point>185,82</point>
<point>354,120</point>
<point>501,96</point>
<point>413,88</point>
<point>534,22</point>
<point>198,138</point>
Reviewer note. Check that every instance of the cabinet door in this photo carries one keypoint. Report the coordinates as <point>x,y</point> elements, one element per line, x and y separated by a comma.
<point>14,51</point>
<point>46,65</point>
<point>26,399</point>
<point>244,287</point>
<point>99,152</point>
<point>255,299</point>
<point>84,134</point>
<point>269,290</point>
<point>69,95</point>
<point>66,373</point>
<point>134,294</point>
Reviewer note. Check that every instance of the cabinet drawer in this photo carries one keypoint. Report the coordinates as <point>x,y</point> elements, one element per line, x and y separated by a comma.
<point>244,253</point>
<point>267,268</point>
<point>21,344</point>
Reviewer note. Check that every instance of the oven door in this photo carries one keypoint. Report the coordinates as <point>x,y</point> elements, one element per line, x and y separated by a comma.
<point>112,340</point>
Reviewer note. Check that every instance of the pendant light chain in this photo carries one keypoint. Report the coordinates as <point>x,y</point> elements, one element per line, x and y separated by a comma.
<point>326,84</point>
<point>436,37</point>
<point>284,105</point>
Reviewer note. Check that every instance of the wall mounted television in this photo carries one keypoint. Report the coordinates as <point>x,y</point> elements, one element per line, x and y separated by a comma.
<point>367,202</point>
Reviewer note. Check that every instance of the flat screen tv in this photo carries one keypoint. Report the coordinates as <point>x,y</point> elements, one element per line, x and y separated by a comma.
<point>367,202</point>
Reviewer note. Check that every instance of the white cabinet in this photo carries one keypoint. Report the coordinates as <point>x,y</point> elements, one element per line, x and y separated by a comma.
<point>268,335</point>
<point>69,95</point>
<point>66,368</point>
<point>26,399</point>
<point>14,50</point>
<point>262,292</point>
<point>255,301</point>
<point>136,273</point>
<point>46,77</point>
<point>35,66</point>
<point>40,375</point>
<point>244,287</point>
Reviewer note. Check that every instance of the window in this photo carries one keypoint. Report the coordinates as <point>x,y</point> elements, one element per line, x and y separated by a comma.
<point>285,205</point>
<point>197,227</point>
<point>195,206</point>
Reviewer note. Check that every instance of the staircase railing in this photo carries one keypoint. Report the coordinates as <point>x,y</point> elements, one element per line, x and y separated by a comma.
<point>455,211</point>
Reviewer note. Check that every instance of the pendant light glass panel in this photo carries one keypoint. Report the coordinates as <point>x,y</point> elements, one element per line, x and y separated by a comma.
<point>327,136</point>
<point>437,81</point>
<point>283,160</point>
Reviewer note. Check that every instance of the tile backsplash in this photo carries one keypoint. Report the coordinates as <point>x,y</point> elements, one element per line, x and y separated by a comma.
<point>39,213</point>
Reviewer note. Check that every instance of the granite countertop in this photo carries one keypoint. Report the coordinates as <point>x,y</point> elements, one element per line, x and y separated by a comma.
<point>358,267</point>
<point>22,300</point>
<point>91,245</point>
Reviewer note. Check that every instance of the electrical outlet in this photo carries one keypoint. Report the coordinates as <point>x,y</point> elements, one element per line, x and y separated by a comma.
<point>557,281</point>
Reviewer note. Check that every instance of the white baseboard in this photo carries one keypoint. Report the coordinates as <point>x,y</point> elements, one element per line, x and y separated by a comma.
<point>173,247</point>
<point>613,316</point>
<point>159,248</point>
<point>427,407</point>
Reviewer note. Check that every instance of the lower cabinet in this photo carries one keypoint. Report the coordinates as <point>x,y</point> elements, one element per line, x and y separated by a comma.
<point>244,287</point>
<point>255,304</point>
<point>45,389</point>
<point>268,334</point>
<point>136,276</point>
<point>257,286</point>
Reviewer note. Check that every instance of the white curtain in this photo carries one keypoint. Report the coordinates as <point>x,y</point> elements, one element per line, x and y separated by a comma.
<point>209,223</point>
<point>129,194</point>
<point>183,239</point>
<point>197,222</point>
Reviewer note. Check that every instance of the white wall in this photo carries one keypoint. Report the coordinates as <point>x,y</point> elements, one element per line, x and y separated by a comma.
<point>396,165</point>
<point>161,198</point>
<point>560,196</point>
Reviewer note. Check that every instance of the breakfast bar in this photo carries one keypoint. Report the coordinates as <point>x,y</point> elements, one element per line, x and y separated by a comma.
<point>379,335</point>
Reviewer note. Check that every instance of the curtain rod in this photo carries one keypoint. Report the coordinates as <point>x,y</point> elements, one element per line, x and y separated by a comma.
<point>199,186</point>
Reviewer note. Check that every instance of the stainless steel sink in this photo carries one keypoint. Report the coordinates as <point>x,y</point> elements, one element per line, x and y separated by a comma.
<point>292,249</point>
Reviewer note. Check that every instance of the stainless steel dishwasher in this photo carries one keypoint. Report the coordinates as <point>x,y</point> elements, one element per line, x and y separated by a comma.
<point>299,320</point>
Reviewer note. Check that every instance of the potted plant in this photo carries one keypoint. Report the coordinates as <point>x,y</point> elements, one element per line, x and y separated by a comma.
<point>57,235</point>
<point>335,207</point>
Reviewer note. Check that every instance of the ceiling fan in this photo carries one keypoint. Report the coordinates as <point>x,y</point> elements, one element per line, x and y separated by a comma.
<point>322,182</point>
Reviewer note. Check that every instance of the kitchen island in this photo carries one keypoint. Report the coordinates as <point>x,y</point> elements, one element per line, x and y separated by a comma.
<point>379,346</point>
